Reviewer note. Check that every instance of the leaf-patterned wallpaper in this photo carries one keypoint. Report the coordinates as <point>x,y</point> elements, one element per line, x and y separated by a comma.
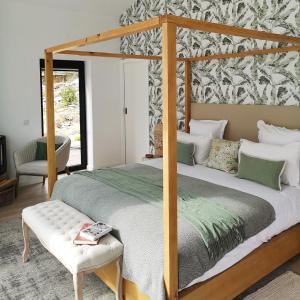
<point>270,79</point>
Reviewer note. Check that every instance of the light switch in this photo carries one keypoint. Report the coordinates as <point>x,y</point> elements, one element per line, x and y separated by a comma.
<point>26,122</point>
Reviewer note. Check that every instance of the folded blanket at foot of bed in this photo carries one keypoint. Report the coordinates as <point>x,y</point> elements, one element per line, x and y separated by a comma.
<point>212,219</point>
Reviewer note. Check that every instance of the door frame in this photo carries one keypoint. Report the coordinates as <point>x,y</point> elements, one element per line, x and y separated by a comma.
<point>71,65</point>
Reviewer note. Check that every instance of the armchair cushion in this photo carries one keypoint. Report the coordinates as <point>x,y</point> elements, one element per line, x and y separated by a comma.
<point>37,167</point>
<point>41,150</point>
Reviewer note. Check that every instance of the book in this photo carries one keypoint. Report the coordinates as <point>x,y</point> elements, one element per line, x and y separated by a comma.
<point>79,240</point>
<point>95,231</point>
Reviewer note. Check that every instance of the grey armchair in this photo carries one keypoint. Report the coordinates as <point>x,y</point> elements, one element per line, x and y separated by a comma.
<point>26,163</point>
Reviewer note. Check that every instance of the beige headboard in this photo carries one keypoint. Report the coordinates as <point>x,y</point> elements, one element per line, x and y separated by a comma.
<point>243,118</point>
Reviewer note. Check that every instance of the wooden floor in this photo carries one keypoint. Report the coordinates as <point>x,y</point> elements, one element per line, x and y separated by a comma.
<point>27,196</point>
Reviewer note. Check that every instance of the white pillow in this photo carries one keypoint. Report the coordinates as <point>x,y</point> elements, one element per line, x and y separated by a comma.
<point>210,128</point>
<point>289,153</point>
<point>202,145</point>
<point>270,134</point>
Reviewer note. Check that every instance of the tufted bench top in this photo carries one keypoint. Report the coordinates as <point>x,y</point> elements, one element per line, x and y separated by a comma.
<point>56,224</point>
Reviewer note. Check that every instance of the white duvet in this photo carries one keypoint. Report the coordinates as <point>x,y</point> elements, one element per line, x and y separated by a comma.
<point>286,205</point>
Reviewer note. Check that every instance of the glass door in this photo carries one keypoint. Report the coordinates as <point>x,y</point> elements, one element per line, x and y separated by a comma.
<point>70,111</point>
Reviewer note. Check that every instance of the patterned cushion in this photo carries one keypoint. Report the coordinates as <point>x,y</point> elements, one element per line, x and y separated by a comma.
<point>224,155</point>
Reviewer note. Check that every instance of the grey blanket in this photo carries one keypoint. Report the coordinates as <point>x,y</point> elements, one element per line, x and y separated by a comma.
<point>138,224</point>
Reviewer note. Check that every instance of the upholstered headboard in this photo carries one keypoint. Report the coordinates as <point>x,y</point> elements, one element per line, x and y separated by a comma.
<point>243,118</point>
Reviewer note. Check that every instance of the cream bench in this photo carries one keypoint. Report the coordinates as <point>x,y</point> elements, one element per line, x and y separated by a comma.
<point>56,224</point>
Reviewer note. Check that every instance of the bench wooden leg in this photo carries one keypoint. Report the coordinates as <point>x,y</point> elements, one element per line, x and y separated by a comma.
<point>78,285</point>
<point>119,282</point>
<point>25,229</point>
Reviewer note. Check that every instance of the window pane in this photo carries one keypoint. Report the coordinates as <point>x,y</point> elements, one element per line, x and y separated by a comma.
<point>67,110</point>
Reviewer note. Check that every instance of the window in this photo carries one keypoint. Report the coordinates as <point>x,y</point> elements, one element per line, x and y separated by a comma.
<point>70,107</point>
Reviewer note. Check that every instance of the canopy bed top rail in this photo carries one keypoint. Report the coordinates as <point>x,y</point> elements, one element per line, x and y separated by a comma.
<point>110,55</point>
<point>228,29</point>
<point>184,59</point>
<point>246,53</point>
<point>180,22</point>
<point>108,35</point>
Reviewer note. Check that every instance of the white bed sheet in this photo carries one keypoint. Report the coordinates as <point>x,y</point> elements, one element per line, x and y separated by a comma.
<point>286,205</point>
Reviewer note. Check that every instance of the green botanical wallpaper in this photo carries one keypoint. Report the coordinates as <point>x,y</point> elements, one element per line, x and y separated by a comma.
<point>270,79</point>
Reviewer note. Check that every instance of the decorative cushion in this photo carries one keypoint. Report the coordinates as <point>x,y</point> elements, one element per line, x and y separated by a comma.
<point>202,145</point>
<point>266,172</point>
<point>289,153</point>
<point>185,153</point>
<point>224,155</point>
<point>41,150</point>
<point>56,224</point>
<point>210,128</point>
<point>270,134</point>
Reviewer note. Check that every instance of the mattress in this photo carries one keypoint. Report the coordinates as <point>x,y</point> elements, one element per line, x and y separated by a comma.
<point>286,204</point>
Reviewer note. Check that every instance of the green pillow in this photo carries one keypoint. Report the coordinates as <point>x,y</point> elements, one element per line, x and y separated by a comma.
<point>41,150</point>
<point>185,153</point>
<point>266,172</point>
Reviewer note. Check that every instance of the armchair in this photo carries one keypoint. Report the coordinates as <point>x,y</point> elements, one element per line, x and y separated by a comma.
<point>26,163</point>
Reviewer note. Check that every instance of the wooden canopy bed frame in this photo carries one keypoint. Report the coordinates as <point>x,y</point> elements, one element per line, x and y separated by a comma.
<point>264,259</point>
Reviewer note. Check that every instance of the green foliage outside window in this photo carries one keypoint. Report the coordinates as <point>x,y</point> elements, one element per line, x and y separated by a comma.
<point>77,137</point>
<point>68,97</point>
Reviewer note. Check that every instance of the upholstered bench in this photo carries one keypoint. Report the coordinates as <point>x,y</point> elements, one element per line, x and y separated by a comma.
<point>56,224</point>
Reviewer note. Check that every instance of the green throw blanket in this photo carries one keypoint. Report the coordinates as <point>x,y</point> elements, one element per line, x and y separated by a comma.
<point>220,229</point>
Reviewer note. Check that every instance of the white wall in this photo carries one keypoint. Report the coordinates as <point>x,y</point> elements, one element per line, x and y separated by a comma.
<point>28,27</point>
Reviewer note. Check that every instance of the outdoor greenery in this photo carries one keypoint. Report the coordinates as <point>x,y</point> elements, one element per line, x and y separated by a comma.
<point>69,96</point>
<point>77,137</point>
<point>67,118</point>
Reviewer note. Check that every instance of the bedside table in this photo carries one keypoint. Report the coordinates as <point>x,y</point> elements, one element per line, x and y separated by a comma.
<point>146,157</point>
<point>7,191</point>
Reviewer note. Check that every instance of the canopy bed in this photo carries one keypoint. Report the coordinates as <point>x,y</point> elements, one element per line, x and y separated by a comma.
<point>242,122</point>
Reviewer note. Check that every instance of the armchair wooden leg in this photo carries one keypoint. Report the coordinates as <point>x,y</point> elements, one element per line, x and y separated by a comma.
<point>78,285</point>
<point>44,180</point>
<point>67,170</point>
<point>25,229</point>
<point>119,279</point>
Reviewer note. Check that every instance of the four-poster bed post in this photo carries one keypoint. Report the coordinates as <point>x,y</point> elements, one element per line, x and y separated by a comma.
<point>50,121</point>
<point>168,24</point>
<point>169,160</point>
